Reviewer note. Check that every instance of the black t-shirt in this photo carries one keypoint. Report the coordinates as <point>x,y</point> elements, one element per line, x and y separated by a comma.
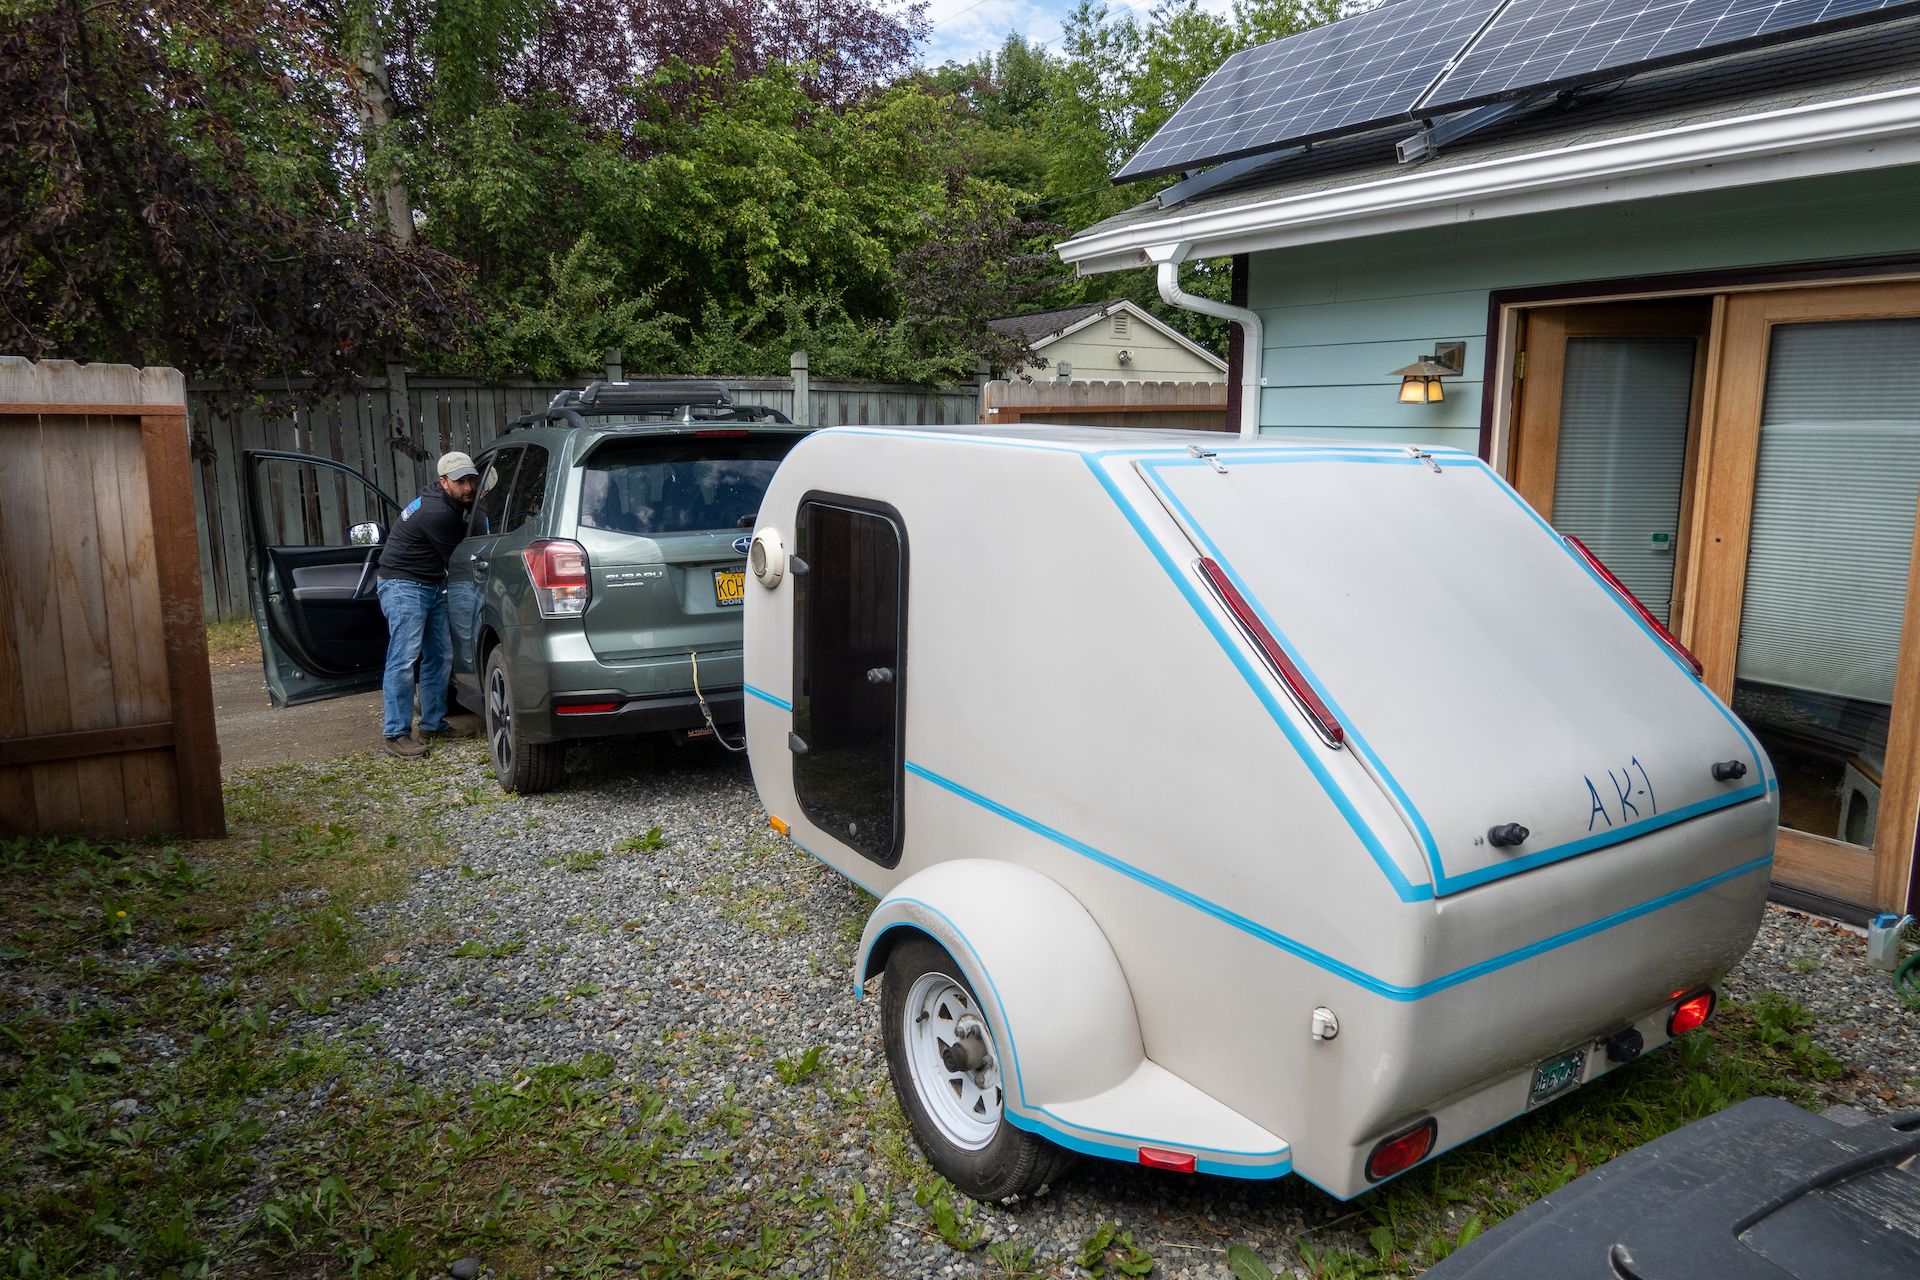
<point>424,538</point>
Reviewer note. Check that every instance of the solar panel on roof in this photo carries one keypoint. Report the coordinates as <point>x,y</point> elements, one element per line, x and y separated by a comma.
<point>1538,44</point>
<point>1350,74</point>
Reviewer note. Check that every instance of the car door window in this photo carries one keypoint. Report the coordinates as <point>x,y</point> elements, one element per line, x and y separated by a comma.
<point>490,504</point>
<point>529,489</point>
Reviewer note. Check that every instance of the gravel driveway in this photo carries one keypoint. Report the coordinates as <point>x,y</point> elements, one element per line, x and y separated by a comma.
<point>702,964</point>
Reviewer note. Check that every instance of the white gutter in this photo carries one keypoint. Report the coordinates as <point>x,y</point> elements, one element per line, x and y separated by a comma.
<point>1252,345</point>
<point>1874,131</point>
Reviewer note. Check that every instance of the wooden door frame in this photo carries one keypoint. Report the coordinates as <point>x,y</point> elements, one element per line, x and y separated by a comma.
<point>1720,533</point>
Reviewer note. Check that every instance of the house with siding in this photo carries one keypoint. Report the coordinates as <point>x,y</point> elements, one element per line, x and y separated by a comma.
<point>1684,306</point>
<point>1113,341</point>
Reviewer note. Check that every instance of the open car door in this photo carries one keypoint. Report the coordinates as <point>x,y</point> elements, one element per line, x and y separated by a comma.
<point>314,528</point>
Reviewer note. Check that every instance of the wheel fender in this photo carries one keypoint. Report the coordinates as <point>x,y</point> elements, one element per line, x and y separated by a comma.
<point>1044,972</point>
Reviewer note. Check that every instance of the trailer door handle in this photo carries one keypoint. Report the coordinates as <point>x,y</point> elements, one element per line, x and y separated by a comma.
<point>796,744</point>
<point>1729,770</point>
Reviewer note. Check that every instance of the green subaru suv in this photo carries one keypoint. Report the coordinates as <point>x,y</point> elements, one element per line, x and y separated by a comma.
<point>598,589</point>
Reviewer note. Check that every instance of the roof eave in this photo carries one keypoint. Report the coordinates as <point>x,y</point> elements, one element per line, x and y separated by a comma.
<point>1845,135</point>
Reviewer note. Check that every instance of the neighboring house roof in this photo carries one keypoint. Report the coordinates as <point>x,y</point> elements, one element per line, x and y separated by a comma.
<point>1039,328</point>
<point>1837,103</point>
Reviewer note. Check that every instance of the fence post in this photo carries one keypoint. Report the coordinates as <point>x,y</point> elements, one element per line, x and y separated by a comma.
<point>802,401</point>
<point>613,364</point>
<point>399,411</point>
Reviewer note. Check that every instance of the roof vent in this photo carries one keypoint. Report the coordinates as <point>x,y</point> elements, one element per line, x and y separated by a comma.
<point>1120,326</point>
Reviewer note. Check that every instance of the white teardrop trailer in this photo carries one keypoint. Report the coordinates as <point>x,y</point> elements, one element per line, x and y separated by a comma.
<point>1243,808</point>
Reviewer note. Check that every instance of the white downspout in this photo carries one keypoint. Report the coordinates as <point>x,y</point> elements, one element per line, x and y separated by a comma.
<point>1252,347</point>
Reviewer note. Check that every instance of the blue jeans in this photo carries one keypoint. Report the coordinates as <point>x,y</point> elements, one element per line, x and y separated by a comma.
<point>416,628</point>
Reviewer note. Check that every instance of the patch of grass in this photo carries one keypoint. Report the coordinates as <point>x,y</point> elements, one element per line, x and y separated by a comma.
<point>142,1022</point>
<point>582,860</point>
<point>233,642</point>
<point>763,908</point>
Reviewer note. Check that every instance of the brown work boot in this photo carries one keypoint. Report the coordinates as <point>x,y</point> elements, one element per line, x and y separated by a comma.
<point>407,747</point>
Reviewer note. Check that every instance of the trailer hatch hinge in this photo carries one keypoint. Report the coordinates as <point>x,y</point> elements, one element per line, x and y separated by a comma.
<point>1415,451</point>
<point>1210,457</point>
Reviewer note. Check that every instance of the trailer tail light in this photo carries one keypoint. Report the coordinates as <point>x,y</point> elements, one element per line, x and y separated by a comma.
<point>1303,694</point>
<point>585,708</point>
<point>558,567</point>
<point>1690,1013</point>
<point>1593,563</point>
<point>1173,1161</point>
<point>1402,1151</point>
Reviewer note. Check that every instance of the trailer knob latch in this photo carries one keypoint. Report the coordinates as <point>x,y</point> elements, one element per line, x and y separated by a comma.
<point>1325,1025</point>
<point>1507,835</point>
<point>1729,770</point>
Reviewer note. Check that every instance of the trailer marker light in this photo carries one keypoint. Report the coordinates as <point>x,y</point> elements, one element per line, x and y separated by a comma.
<point>1402,1151</point>
<point>585,708</point>
<point>1172,1161</point>
<point>1593,562</point>
<point>1690,1013</point>
<point>778,824</point>
<point>1303,694</point>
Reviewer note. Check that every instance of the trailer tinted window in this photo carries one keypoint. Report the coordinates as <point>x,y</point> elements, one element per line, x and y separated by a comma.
<point>679,484</point>
<point>849,684</point>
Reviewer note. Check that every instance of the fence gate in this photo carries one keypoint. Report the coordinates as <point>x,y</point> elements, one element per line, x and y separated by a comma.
<point>106,703</point>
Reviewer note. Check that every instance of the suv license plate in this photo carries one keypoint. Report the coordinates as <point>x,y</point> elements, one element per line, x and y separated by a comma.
<point>1557,1075</point>
<point>730,587</point>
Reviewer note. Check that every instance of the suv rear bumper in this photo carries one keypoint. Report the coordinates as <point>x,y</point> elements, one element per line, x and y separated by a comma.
<point>637,713</point>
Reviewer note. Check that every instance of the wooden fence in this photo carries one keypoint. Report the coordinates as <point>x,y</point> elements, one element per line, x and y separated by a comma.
<point>106,703</point>
<point>392,429</point>
<point>1196,406</point>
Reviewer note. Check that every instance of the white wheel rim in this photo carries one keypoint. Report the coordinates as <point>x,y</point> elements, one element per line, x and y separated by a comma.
<point>964,1105</point>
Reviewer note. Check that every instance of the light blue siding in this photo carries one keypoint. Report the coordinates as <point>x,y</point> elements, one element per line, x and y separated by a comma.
<point>1339,316</point>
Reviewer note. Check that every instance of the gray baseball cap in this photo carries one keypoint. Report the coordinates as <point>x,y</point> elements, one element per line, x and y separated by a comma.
<point>456,466</point>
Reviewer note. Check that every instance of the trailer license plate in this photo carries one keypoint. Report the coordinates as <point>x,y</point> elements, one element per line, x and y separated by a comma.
<point>730,586</point>
<point>1557,1075</point>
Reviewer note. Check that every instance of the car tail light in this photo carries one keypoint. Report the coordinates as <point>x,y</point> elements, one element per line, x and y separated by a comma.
<point>1270,649</point>
<point>1174,1161</point>
<point>558,567</point>
<point>1593,563</point>
<point>1402,1151</point>
<point>721,433</point>
<point>1690,1013</point>
<point>584,708</point>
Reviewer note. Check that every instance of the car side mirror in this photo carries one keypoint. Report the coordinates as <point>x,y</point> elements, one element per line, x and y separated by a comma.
<point>365,534</point>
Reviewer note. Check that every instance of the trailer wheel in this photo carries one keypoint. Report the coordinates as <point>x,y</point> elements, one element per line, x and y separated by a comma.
<point>946,1073</point>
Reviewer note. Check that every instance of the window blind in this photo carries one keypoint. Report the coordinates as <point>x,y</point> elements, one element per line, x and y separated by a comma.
<point>1833,508</point>
<point>1623,454</point>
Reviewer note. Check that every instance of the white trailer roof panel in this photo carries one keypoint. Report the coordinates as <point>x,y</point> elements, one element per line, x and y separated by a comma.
<point>1481,671</point>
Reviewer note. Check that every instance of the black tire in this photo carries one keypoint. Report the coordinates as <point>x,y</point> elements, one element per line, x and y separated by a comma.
<point>522,767</point>
<point>1011,1163</point>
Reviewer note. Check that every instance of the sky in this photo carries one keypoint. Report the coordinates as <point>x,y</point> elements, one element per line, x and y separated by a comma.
<point>963,29</point>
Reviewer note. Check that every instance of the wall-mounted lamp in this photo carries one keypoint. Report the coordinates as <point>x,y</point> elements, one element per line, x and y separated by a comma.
<point>1420,381</point>
<point>1125,357</point>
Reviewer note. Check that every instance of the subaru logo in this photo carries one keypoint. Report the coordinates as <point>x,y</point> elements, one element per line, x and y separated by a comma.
<point>741,544</point>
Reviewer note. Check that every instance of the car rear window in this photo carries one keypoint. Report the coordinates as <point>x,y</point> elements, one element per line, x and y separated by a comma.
<point>680,484</point>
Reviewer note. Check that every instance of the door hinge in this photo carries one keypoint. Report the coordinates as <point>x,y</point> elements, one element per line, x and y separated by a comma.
<point>1520,366</point>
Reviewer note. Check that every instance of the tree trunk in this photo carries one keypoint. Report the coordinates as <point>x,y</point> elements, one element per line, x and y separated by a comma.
<point>392,203</point>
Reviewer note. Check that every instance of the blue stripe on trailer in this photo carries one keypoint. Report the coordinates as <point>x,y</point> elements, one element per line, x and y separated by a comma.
<point>1320,959</point>
<point>764,696</point>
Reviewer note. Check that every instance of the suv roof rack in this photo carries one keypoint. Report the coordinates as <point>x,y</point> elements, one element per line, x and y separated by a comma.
<point>662,401</point>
